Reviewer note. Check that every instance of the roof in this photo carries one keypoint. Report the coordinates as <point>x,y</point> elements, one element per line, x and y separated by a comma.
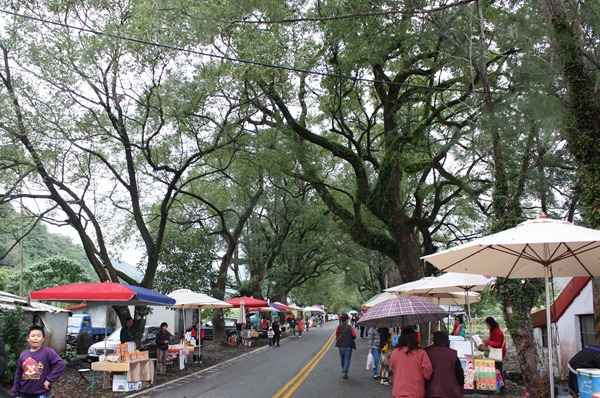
<point>562,302</point>
<point>11,301</point>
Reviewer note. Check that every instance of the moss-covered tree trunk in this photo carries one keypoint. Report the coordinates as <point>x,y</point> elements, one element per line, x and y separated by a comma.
<point>582,128</point>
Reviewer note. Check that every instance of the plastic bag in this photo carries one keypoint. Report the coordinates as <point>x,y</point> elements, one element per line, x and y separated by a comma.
<point>370,361</point>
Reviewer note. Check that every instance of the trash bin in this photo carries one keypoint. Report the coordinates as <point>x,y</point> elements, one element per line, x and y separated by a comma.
<point>588,381</point>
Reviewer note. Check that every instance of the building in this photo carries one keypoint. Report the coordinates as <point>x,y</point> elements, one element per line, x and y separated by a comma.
<point>572,318</point>
<point>53,319</point>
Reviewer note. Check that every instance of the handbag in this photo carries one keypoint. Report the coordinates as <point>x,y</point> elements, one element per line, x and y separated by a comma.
<point>496,353</point>
<point>370,361</point>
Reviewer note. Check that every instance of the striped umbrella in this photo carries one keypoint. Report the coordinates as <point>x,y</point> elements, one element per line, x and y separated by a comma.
<point>402,311</point>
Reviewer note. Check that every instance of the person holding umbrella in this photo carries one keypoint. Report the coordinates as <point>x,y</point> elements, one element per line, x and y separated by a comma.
<point>345,341</point>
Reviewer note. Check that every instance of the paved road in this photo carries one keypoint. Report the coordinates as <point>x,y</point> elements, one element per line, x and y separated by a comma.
<point>306,367</point>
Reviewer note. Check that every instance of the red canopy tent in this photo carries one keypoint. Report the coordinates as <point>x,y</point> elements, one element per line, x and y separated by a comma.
<point>248,302</point>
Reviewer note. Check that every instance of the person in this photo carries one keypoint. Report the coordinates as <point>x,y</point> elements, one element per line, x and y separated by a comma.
<point>588,357</point>
<point>127,331</point>
<point>345,340</point>
<point>162,346</point>
<point>300,326</point>
<point>270,336</point>
<point>385,346</point>
<point>411,366</point>
<point>277,330</point>
<point>3,364</point>
<point>38,367</point>
<point>448,378</point>
<point>197,333</point>
<point>264,326</point>
<point>363,335</point>
<point>496,340</point>
<point>459,328</point>
<point>292,323</point>
<point>373,342</point>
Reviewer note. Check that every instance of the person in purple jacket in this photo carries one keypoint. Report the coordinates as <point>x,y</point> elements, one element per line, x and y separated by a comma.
<point>38,367</point>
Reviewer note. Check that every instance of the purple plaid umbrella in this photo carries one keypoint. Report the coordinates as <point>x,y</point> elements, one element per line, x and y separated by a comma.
<point>402,311</point>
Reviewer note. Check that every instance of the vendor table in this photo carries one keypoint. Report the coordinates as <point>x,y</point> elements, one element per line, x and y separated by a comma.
<point>136,371</point>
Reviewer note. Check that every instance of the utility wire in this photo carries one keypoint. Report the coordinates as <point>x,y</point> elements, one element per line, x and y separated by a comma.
<point>233,59</point>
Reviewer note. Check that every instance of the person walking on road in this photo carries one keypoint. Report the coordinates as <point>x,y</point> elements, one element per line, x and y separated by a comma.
<point>345,341</point>
<point>373,341</point>
<point>300,326</point>
<point>277,330</point>
<point>448,378</point>
<point>411,366</point>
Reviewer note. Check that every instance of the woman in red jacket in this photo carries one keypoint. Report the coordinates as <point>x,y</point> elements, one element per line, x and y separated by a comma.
<point>496,340</point>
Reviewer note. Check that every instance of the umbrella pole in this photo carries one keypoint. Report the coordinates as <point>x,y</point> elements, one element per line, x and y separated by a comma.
<point>549,329</point>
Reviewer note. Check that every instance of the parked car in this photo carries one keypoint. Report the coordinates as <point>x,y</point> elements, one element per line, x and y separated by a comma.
<point>230,327</point>
<point>109,346</point>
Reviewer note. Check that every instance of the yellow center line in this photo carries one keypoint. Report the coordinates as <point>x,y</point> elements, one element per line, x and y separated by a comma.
<point>293,384</point>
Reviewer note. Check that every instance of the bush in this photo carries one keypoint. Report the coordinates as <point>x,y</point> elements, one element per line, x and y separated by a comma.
<point>13,331</point>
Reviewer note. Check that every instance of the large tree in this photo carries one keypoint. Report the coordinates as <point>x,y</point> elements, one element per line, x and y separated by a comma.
<point>102,132</point>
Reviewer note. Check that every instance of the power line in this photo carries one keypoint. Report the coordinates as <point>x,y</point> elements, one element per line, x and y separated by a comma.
<point>233,59</point>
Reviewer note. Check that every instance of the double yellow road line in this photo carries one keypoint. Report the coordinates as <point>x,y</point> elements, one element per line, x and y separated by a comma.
<point>287,390</point>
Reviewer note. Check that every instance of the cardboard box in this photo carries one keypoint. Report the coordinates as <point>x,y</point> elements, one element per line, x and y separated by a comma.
<point>120,384</point>
<point>588,381</point>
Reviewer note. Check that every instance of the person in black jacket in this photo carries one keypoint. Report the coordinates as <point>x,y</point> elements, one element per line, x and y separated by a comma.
<point>448,378</point>
<point>162,346</point>
<point>126,332</point>
<point>345,341</point>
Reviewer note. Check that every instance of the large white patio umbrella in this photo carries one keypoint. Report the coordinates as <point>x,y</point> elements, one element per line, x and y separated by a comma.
<point>187,299</point>
<point>533,249</point>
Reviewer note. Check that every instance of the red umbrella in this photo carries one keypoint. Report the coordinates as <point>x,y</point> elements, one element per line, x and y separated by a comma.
<point>248,302</point>
<point>402,311</point>
<point>109,293</point>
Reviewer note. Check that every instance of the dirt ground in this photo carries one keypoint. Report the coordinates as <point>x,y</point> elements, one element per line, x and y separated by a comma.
<point>71,385</point>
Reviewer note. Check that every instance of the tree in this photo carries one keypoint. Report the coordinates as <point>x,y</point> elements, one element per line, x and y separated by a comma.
<point>96,145</point>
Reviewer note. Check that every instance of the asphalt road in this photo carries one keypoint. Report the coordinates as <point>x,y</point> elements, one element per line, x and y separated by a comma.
<point>300,367</point>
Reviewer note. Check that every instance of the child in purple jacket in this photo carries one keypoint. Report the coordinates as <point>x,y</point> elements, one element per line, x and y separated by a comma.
<point>38,367</point>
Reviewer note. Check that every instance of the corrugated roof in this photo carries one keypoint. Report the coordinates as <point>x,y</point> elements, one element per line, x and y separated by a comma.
<point>11,301</point>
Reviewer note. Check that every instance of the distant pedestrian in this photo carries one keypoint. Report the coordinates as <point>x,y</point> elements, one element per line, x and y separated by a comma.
<point>264,326</point>
<point>373,342</point>
<point>300,326</point>
<point>345,341</point>
<point>411,366</point>
<point>292,323</point>
<point>38,367</point>
<point>162,346</point>
<point>385,346</point>
<point>277,330</point>
<point>270,336</point>
<point>448,378</point>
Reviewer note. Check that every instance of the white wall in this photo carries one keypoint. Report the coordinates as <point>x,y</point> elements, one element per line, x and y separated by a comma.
<point>567,333</point>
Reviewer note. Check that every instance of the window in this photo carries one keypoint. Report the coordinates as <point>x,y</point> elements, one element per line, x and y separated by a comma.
<point>586,325</point>
<point>544,336</point>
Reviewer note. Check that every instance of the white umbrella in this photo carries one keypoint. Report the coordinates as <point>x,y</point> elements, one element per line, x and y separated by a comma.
<point>313,309</point>
<point>451,298</point>
<point>378,298</point>
<point>187,299</point>
<point>533,249</point>
<point>409,286</point>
